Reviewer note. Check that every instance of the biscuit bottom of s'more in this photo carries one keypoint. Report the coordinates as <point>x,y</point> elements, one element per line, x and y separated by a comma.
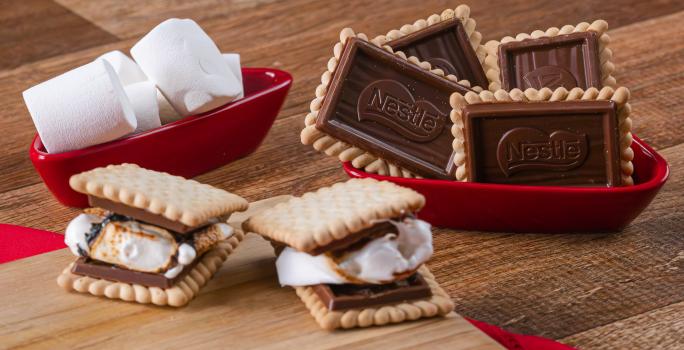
<point>333,311</point>
<point>87,277</point>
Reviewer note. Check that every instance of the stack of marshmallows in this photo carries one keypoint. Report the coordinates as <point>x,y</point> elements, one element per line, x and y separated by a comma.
<point>178,71</point>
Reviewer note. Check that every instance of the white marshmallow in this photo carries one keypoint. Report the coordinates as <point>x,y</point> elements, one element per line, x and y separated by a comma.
<point>139,247</point>
<point>143,97</point>
<point>166,112</point>
<point>233,60</point>
<point>80,108</point>
<point>226,230</point>
<point>379,261</point>
<point>187,67</point>
<point>186,254</point>
<point>297,268</point>
<point>127,70</point>
<point>75,233</point>
<point>174,271</point>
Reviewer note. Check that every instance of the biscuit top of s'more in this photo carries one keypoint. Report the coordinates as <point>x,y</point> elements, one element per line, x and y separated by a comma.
<point>330,214</point>
<point>176,199</point>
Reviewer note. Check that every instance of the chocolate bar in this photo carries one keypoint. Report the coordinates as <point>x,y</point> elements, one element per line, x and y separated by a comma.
<point>550,143</point>
<point>352,296</point>
<point>392,108</point>
<point>96,269</point>
<point>446,46</point>
<point>141,215</point>
<point>374,231</point>
<point>569,61</point>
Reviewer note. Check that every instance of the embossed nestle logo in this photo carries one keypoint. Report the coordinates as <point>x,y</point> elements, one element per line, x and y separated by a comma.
<point>389,103</point>
<point>444,65</point>
<point>533,149</point>
<point>551,77</point>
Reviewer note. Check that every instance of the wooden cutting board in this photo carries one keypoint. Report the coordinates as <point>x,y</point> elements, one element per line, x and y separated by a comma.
<point>242,307</point>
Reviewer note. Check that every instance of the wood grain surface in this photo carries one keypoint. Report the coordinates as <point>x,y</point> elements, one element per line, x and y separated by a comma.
<point>241,307</point>
<point>603,291</point>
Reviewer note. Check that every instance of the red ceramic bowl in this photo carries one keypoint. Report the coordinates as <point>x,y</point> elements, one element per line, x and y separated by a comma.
<point>493,207</point>
<point>188,147</point>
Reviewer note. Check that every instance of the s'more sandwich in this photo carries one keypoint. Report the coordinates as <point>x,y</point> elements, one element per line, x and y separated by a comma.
<point>150,237</point>
<point>355,254</point>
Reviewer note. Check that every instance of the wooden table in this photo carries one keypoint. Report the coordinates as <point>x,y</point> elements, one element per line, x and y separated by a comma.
<point>606,291</point>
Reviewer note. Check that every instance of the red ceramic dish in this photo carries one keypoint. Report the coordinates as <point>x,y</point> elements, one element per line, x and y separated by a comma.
<point>188,147</point>
<point>493,207</point>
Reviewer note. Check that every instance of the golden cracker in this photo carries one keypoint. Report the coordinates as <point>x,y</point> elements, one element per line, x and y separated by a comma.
<point>173,197</point>
<point>440,304</point>
<point>332,213</point>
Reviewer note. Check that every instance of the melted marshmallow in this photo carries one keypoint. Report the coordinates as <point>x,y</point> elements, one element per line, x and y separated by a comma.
<point>141,247</point>
<point>186,254</point>
<point>296,268</point>
<point>225,229</point>
<point>75,234</point>
<point>174,271</point>
<point>377,262</point>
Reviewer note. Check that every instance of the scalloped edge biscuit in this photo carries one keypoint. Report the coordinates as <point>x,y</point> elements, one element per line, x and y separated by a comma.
<point>300,222</point>
<point>491,61</point>
<point>461,12</point>
<point>176,296</point>
<point>440,304</point>
<point>359,158</point>
<point>190,202</point>
<point>620,96</point>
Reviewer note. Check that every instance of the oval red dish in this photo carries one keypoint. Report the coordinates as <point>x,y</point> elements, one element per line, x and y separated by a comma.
<point>188,147</point>
<point>493,207</point>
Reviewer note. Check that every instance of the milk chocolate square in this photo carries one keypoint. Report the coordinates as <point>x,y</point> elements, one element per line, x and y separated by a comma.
<point>350,296</point>
<point>446,46</point>
<point>391,108</point>
<point>550,143</point>
<point>97,269</point>
<point>569,61</point>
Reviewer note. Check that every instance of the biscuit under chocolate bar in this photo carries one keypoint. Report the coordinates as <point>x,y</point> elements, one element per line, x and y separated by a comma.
<point>569,61</point>
<point>550,143</point>
<point>351,296</point>
<point>446,46</point>
<point>95,269</point>
<point>391,108</point>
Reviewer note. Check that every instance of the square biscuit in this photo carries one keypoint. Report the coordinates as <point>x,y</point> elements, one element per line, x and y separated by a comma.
<point>452,24</point>
<point>620,96</point>
<point>173,197</point>
<point>357,156</point>
<point>492,61</point>
<point>440,304</point>
<point>179,295</point>
<point>333,213</point>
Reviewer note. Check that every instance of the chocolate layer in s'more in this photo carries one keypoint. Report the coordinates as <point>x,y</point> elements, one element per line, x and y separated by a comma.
<point>148,229</point>
<point>354,249</point>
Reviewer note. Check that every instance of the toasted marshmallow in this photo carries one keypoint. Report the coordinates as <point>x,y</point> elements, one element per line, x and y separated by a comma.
<point>75,234</point>
<point>296,268</point>
<point>135,246</point>
<point>379,261</point>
